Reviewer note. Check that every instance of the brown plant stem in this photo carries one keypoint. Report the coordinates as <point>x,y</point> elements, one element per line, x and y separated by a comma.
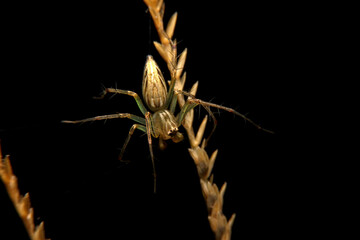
<point>168,51</point>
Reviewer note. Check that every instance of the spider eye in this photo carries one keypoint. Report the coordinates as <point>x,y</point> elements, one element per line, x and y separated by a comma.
<point>173,131</point>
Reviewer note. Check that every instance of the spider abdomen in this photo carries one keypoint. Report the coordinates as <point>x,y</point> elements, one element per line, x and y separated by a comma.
<point>153,87</point>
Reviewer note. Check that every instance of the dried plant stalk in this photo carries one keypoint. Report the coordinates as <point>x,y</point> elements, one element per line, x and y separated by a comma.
<point>168,51</point>
<point>21,203</point>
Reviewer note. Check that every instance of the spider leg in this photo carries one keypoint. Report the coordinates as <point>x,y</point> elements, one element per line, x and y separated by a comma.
<point>184,110</point>
<point>126,92</point>
<point>110,116</point>
<point>149,131</point>
<point>171,97</point>
<point>190,105</point>
<point>132,129</point>
<point>192,99</point>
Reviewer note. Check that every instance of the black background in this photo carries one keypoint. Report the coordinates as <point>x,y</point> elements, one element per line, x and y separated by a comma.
<point>250,57</point>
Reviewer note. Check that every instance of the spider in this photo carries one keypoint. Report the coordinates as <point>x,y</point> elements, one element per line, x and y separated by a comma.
<point>162,123</point>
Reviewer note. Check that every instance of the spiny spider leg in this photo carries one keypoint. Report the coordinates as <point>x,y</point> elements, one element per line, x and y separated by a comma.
<point>118,115</point>
<point>110,116</point>
<point>113,116</point>
<point>145,127</point>
<point>126,92</point>
<point>193,99</point>
<point>132,129</point>
<point>215,123</point>
<point>171,97</point>
<point>149,131</point>
<point>190,105</point>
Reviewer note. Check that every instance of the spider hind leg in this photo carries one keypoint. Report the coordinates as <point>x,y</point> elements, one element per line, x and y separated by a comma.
<point>207,105</point>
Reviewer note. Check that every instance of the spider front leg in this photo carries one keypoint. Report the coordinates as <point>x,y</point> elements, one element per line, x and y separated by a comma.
<point>149,132</point>
<point>145,126</point>
<point>125,92</point>
<point>110,116</point>
<point>140,126</point>
<point>113,116</point>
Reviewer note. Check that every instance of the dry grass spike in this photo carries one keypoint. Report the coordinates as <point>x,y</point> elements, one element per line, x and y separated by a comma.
<point>21,203</point>
<point>168,51</point>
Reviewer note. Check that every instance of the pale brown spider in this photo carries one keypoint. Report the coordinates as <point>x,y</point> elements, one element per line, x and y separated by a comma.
<point>162,123</point>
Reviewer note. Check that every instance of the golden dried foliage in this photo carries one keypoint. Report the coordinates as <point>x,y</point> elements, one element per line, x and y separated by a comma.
<point>21,203</point>
<point>168,51</point>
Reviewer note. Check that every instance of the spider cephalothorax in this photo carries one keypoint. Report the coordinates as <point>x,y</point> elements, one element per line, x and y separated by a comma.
<point>166,125</point>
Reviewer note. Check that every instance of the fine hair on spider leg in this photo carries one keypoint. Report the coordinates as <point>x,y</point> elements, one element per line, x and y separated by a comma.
<point>207,106</point>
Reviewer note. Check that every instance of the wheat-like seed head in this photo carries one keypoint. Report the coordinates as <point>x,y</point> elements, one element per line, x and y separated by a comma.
<point>21,203</point>
<point>168,51</point>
